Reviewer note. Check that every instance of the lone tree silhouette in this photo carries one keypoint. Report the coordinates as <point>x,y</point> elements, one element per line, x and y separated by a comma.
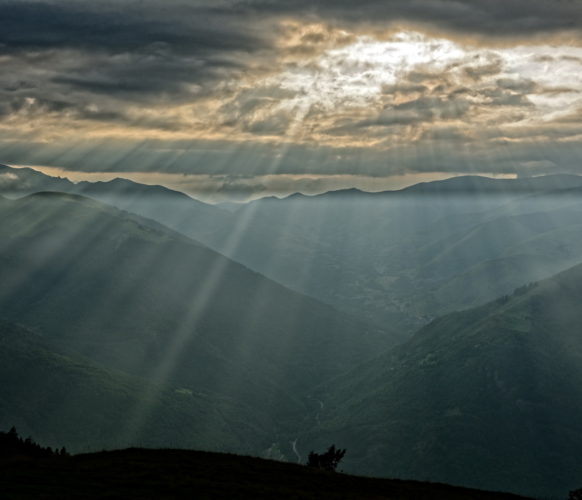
<point>326,461</point>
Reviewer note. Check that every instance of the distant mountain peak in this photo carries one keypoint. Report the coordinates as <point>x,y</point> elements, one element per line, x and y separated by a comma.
<point>478,183</point>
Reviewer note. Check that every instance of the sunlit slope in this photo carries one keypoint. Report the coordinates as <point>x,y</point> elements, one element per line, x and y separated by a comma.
<point>65,400</point>
<point>138,297</point>
<point>490,397</point>
<point>501,237</point>
<point>490,259</point>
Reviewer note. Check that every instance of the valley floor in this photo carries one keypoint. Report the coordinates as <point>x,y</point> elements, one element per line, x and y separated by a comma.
<point>165,474</point>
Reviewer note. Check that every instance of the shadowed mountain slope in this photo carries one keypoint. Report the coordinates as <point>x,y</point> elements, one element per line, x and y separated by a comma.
<point>489,397</point>
<point>68,400</point>
<point>135,296</point>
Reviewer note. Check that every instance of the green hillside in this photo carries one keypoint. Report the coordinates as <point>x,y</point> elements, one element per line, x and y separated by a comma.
<point>490,397</point>
<point>67,400</point>
<point>132,295</point>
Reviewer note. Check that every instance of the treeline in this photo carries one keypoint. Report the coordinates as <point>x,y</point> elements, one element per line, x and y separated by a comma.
<point>522,290</point>
<point>11,444</point>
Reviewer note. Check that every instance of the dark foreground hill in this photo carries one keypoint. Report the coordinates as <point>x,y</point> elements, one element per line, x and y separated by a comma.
<point>144,474</point>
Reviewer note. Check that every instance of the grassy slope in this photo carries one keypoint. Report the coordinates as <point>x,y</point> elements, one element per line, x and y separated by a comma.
<point>489,397</point>
<point>140,298</point>
<point>67,400</point>
<point>144,474</point>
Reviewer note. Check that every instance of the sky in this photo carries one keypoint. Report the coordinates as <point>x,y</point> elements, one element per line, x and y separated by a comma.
<point>237,99</point>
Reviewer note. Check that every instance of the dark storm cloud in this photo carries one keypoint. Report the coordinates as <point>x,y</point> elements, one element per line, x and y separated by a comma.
<point>121,26</point>
<point>139,76</point>
<point>91,52</point>
<point>486,17</point>
<point>205,27</point>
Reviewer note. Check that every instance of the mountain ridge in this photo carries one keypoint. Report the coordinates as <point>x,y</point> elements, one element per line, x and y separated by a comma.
<point>182,474</point>
<point>459,183</point>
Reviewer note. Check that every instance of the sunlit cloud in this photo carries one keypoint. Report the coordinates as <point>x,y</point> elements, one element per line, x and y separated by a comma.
<point>310,93</point>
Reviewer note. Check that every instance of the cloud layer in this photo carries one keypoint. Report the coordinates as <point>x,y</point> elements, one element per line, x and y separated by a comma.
<point>259,87</point>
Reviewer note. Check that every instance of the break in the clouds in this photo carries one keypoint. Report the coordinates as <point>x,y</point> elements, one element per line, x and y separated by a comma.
<point>255,89</point>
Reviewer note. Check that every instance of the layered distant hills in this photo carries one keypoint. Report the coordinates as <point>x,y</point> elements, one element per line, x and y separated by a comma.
<point>397,258</point>
<point>434,332</point>
<point>405,257</point>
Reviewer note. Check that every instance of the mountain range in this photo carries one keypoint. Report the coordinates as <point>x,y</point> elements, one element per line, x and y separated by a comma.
<point>433,332</point>
<point>397,258</point>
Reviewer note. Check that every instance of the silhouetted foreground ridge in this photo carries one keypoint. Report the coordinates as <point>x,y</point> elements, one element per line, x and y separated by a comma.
<point>146,473</point>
